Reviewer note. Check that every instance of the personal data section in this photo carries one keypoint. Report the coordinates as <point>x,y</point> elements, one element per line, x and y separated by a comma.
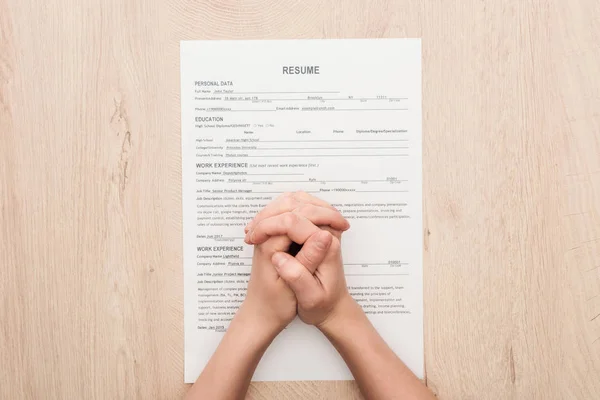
<point>339,119</point>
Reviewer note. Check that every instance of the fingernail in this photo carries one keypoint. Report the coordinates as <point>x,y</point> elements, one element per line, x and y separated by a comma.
<point>248,227</point>
<point>247,238</point>
<point>323,239</point>
<point>278,259</point>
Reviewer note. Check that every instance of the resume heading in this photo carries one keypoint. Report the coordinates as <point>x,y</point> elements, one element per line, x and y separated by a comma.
<point>301,70</point>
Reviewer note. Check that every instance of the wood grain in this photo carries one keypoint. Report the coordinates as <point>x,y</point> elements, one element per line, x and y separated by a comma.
<point>90,190</point>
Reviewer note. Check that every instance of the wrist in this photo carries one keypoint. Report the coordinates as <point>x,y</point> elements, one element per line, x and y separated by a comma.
<point>347,311</point>
<point>254,321</point>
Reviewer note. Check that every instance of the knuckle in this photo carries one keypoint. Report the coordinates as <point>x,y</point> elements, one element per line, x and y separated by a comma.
<point>280,242</point>
<point>294,275</point>
<point>304,210</point>
<point>289,203</point>
<point>307,208</point>
<point>308,256</point>
<point>258,227</point>
<point>290,219</point>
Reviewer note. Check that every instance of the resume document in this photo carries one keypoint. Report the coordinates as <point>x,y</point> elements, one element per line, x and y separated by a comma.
<point>339,119</point>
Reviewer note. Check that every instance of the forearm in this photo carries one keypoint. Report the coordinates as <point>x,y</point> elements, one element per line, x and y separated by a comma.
<point>229,371</point>
<point>380,374</point>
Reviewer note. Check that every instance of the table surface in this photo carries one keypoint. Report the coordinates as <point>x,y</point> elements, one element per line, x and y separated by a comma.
<point>90,190</point>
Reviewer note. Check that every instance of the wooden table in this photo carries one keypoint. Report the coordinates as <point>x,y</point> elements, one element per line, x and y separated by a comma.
<point>90,190</point>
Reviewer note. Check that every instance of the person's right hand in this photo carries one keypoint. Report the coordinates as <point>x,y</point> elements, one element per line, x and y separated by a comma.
<point>323,300</point>
<point>319,286</point>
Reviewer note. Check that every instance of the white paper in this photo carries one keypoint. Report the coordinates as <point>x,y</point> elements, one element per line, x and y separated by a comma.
<point>346,129</point>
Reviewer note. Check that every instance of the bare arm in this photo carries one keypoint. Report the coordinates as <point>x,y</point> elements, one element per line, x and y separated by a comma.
<point>228,373</point>
<point>324,301</point>
<point>270,305</point>
<point>378,371</point>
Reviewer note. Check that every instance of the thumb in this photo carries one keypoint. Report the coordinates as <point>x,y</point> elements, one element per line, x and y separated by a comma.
<point>296,276</point>
<point>313,252</point>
